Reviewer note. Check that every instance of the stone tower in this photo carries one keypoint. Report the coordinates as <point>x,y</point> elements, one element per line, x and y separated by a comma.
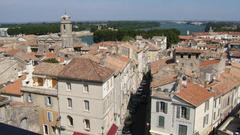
<point>66,31</point>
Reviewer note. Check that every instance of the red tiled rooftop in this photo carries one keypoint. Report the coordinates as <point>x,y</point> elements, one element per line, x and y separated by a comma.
<point>187,50</point>
<point>86,69</point>
<point>14,88</point>
<point>206,63</point>
<point>194,94</point>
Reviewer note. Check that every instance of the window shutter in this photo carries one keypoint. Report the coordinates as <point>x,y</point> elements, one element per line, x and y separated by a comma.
<point>178,111</point>
<point>166,108</point>
<point>46,101</point>
<point>157,106</point>
<point>188,114</point>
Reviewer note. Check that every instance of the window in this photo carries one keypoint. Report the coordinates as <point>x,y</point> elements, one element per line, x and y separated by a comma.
<point>215,103</point>
<point>55,130</point>
<point>64,26</point>
<point>85,89</point>
<point>205,120</point>
<point>29,98</point>
<point>189,56</point>
<point>48,101</point>
<point>49,116</point>
<point>161,107</point>
<point>206,106</point>
<point>183,112</point>
<point>214,115</point>
<point>86,105</point>
<point>70,120</point>
<point>69,87</point>
<point>228,101</point>
<point>45,129</point>
<point>218,112</point>
<point>182,130</point>
<point>69,100</point>
<point>181,55</point>
<point>161,121</point>
<point>87,124</point>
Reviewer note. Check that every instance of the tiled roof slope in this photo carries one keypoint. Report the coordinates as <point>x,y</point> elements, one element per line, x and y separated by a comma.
<point>194,94</point>
<point>86,69</point>
<point>49,69</point>
<point>14,88</point>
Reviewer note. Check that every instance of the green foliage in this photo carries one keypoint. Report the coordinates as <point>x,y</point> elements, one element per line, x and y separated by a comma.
<point>127,38</point>
<point>121,35</point>
<point>133,25</point>
<point>223,26</point>
<point>37,29</point>
<point>51,60</point>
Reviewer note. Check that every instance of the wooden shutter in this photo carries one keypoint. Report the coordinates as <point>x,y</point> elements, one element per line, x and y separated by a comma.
<point>188,114</point>
<point>157,106</point>
<point>178,111</point>
<point>166,108</point>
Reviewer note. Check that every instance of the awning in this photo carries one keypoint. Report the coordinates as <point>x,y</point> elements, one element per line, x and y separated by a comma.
<point>112,130</point>
<point>77,133</point>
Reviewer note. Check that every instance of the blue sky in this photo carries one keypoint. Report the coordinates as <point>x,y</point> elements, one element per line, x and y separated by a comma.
<point>91,10</point>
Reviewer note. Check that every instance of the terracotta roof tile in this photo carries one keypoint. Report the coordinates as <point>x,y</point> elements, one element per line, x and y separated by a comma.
<point>206,63</point>
<point>194,94</point>
<point>187,50</point>
<point>185,37</point>
<point>49,69</point>
<point>14,88</point>
<point>156,82</point>
<point>86,69</point>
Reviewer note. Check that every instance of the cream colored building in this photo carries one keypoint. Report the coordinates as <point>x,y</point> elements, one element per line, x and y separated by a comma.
<point>40,89</point>
<point>86,98</point>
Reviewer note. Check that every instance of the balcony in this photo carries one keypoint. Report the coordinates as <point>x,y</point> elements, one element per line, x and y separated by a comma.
<point>40,90</point>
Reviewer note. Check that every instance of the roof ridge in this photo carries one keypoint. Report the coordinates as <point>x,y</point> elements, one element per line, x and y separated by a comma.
<point>91,62</point>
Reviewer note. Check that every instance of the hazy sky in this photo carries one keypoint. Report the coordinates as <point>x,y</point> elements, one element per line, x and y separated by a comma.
<point>88,10</point>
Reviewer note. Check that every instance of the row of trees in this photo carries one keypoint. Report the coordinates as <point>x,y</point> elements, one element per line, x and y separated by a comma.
<point>37,29</point>
<point>223,26</point>
<point>123,35</point>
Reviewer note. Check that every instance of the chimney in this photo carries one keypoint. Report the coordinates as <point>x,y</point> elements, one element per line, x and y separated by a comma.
<point>184,81</point>
<point>205,84</point>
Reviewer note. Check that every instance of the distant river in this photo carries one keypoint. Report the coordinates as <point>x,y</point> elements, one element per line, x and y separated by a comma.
<point>183,27</point>
<point>87,39</point>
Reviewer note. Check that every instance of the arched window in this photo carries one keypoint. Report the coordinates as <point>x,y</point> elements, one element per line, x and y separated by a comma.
<point>70,120</point>
<point>23,123</point>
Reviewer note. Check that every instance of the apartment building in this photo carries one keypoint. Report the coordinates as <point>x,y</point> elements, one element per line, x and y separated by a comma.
<point>85,90</point>
<point>184,107</point>
<point>40,89</point>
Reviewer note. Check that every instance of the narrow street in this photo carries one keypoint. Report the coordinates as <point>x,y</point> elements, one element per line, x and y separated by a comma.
<point>142,115</point>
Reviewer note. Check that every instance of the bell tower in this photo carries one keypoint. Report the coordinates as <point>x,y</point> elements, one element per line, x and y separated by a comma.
<point>66,31</point>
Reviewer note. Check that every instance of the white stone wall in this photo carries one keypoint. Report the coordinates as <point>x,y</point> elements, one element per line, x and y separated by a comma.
<point>101,112</point>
